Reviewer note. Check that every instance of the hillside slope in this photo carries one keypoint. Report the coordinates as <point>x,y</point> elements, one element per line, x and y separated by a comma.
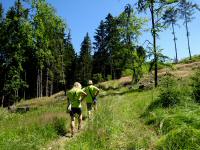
<point>119,122</point>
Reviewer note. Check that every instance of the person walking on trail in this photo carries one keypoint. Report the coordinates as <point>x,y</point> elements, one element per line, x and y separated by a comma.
<point>91,101</point>
<point>75,97</point>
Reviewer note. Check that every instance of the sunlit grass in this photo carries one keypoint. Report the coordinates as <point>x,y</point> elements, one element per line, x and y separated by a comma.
<point>117,124</point>
<point>33,129</point>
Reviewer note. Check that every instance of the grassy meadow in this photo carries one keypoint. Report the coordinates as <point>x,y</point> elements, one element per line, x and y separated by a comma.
<point>32,129</point>
<point>165,118</point>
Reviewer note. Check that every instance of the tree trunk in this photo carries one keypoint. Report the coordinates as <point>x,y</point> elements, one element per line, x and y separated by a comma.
<point>133,68</point>
<point>114,73</point>
<point>111,67</point>
<point>134,76</point>
<point>47,83</point>
<point>63,77</point>
<point>41,88</point>
<point>176,61</point>
<point>188,40</point>
<point>51,88</point>
<point>25,88</point>
<point>2,101</point>
<point>154,43</point>
<point>38,85</point>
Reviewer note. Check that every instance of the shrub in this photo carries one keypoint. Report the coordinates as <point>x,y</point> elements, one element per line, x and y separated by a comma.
<point>127,72</point>
<point>186,138</point>
<point>196,86</point>
<point>60,126</point>
<point>97,78</point>
<point>109,77</point>
<point>169,92</point>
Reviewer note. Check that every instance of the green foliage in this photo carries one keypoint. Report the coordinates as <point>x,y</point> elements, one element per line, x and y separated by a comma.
<point>109,77</point>
<point>195,58</point>
<point>156,9</point>
<point>114,44</point>
<point>130,29</point>
<point>196,86</point>
<point>15,42</point>
<point>69,61</point>
<point>34,129</point>
<point>32,51</point>
<point>85,59</point>
<point>186,138</point>
<point>60,126</point>
<point>127,72</point>
<point>101,54</point>
<point>169,94</point>
<point>116,124</point>
<point>178,125</point>
<point>97,78</point>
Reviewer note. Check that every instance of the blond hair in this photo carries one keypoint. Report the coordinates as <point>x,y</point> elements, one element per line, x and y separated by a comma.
<point>77,85</point>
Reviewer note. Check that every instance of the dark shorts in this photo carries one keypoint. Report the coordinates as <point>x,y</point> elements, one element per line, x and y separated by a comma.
<point>75,111</point>
<point>89,106</point>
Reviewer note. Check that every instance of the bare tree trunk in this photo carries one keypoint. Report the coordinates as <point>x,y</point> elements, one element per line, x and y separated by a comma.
<point>47,83</point>
<point>154,43</point>
<point>17,93</point>
<point>111,65</point>
<point>52,88</point>
<point>188,40</point>
<point>25,88</point>
<point>2,101</point>
<point>133,69</point>
<point>63,77</point>
<point>114,75</point>
<point>38,75</point>
<point>41,88</point>
<point>176,61</point>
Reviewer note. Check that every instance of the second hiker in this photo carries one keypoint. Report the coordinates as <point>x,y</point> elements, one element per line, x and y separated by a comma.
<point>91,101</point>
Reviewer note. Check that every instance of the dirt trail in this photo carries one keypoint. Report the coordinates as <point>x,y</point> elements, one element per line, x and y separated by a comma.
<point>59,144</point>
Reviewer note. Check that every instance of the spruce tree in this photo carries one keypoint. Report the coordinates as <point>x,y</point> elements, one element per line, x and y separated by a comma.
<point>69,60</point>
<point>85,59</point>
<point>113,44</point>
<point>16,27</point>
<point>101,55</point>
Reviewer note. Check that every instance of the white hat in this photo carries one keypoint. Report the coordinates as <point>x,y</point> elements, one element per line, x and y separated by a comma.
<point>90,82</point>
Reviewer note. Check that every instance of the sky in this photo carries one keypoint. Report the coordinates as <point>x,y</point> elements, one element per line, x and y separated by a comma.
<point>82,16</point>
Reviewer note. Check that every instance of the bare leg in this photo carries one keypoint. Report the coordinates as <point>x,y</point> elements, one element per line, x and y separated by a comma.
<point>95,106</point>
<point>72,125</point>
<point>89,114</point>
<point>80,122</point>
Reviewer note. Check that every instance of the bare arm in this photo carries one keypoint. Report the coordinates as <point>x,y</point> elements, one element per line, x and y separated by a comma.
<point>97,93</point>
<point>83,95</point>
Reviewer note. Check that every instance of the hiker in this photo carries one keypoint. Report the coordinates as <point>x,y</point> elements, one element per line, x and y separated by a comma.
<point>75,97</point>
<point>91,101</point>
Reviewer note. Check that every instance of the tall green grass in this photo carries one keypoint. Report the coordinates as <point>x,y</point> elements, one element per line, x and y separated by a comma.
<point>32,130</point>
<point>164,118</point>
<point>116,124</point>
<point>179,122</point>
